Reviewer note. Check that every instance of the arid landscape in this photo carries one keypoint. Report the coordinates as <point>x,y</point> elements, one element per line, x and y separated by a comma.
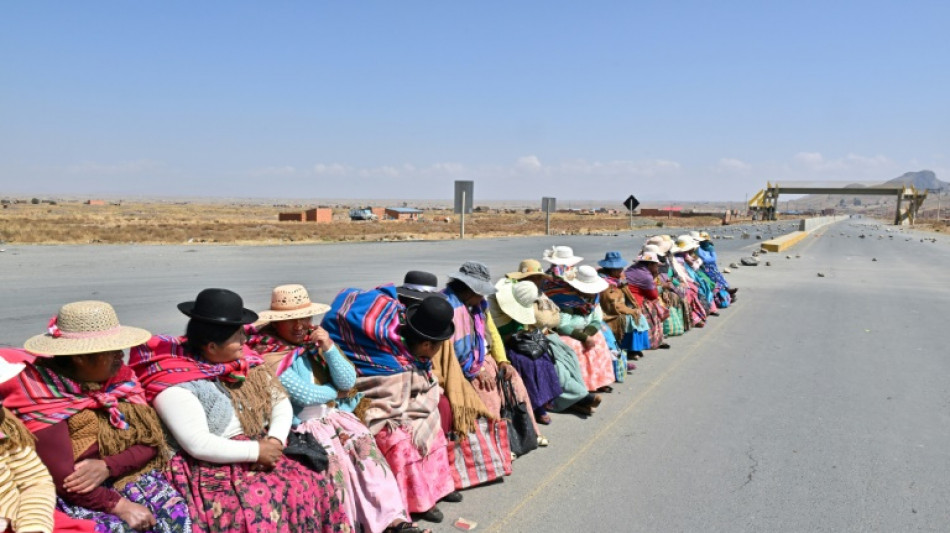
<point>188,222</point>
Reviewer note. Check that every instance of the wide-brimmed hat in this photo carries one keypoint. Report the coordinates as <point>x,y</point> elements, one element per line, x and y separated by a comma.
<point>655,250</point>
<point>648,257</point>
<point>475,275</point>
<point>85,327</point>
<point>516,299</point>
<point>663,242</point>
<point>526,269</point>
<point>704,236</point>
<point>432,319</point>
<point>416,285</point>
<point>218,306</point>
<point>288,302</point>
<point>684,243</point>
<point>585,279</point>
<point>613,260</point>
<point>9,370</point>
<point>561,255</point>
<point>695,235</point>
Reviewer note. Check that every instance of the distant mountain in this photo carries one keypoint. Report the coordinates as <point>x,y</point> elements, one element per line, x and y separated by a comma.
<point>924,179</point>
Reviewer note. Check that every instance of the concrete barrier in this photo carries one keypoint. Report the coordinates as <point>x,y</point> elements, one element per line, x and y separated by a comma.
<point>779,244</point>
<point>806,226</point>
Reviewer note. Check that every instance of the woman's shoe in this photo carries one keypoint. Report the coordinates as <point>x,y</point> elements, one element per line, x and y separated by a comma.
<point>544,419</point>
<point>583,410</point>
<point>595,400</point>
<point>453,497</point>
<point>606,388</point>
<point>432,515</point>
<point>542,441</point>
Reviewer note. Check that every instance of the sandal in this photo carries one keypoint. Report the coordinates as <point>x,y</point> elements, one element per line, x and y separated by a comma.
<point>542,441</point>
<point>406,527</point>
<point>606,388</point>
<point>544,419</point>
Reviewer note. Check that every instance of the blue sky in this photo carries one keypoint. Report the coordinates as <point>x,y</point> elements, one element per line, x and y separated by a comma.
<point>578,100</point>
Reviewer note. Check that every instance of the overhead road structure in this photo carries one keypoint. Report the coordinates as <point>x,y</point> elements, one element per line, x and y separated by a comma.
<point>909,198</point>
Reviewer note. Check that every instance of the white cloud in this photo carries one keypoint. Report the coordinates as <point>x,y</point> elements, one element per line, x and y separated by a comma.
<point>733,165</point>
<point>286,170</point>
<point>851,162</point>
<point>333,169</point>
<point>529,163</point>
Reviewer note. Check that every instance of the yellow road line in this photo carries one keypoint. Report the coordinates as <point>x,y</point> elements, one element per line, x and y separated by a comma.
<point>622,414</point>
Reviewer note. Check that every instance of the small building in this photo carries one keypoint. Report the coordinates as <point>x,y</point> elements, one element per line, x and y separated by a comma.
<point>403,213</point>
<point>95,202</point>
<point>291,217</point>
<point>320,215</point>
<point>380,212</point>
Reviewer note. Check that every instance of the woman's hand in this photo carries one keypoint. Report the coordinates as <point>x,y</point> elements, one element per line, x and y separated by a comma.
<point>269,453</point>
<point>88,474</point>
<point>504,368</point>
<point>136,516</point>
<point>486,382</point>
<point>321,338</point>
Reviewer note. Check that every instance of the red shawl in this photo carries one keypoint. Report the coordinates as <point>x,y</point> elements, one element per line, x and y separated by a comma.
<point>41,397</point>
<point>163,362</point>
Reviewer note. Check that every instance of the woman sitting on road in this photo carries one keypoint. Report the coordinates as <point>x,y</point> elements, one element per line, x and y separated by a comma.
<point>576,292</point>
<point>641,279</point>
<point>316,376</point>
<point>229,417</point>
<point>707,252</point>
<point>391,348</point>
<point>621,313</point>
<point>102,443</point>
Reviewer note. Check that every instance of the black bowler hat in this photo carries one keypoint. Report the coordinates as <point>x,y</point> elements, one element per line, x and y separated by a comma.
<point>417,285</point>
<point>432,319</point>
<point>218,306</point>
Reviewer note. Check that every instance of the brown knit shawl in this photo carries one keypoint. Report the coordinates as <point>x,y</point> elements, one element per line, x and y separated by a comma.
<point>462,396</point>
<point>254,399</point>
<point>92,426</point>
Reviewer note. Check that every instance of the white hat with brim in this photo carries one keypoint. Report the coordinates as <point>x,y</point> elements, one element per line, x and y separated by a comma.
<point>516,299</point>
<point>648,257</point>
<point>290,302</point>
<point>561,255</point>
<point>585,279</point>
<point>9,370</point>
<point>85,327</point>
<point>684,243</point>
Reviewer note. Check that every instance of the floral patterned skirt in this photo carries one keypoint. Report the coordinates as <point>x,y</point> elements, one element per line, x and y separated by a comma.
<point>370,492</point>
<point>423,479</point>
<point>235,499</point>
<point>151,490</point>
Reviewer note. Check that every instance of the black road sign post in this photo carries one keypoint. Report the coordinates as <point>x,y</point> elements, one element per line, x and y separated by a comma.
<point>631,204</point>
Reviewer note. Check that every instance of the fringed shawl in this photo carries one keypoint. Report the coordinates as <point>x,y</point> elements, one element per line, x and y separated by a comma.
<point>466,405</point>
<point>567,297</point>
<point>639,276</point>
<point>41,397</point>
<point>409,400</point>
<point>164,362</point>
<point>469,338</point>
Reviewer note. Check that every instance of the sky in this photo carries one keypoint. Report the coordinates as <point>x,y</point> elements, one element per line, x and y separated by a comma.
<point>686,100</point>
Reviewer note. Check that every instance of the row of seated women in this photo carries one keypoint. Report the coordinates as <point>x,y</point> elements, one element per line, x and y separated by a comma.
<point>269,422</point>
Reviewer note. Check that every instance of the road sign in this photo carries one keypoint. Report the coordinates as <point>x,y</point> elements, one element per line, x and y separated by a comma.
<point>547,204</point>
<point>631,203</point>
<point>463,196</point>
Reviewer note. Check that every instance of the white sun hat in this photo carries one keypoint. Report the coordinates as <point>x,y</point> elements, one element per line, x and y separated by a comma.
<point>516,299</point>
<point>648,257</point>
<point>561,255</point>
<point>685,243</point>
<point>585,279</point>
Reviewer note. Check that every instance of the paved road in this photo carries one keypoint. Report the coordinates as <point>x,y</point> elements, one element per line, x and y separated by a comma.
<point>813,404</point>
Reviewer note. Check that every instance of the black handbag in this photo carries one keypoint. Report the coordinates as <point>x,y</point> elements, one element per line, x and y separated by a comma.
<point>304,448</point>
<point>521,434</point>
<point>530,343</point>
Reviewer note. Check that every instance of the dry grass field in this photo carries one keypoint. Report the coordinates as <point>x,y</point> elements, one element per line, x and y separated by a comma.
<point>181,222</point>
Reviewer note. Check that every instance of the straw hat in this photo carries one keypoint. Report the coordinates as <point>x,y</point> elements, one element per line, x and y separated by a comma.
<point>85,327</point>
<point>527,268</point>
<point>516,299</point>
<point>648,257</point>
<point>695,235</point>
<point>9,371</point>
<point>288,302</point>
<point>585,279</point>
<point>475,276</point>
<point>685,243</point>
<point>704,236</point>
<point>663,242</point>
<point>561,255</point>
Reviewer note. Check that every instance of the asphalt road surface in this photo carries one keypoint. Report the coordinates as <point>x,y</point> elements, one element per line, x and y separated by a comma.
<point>812,404</point>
